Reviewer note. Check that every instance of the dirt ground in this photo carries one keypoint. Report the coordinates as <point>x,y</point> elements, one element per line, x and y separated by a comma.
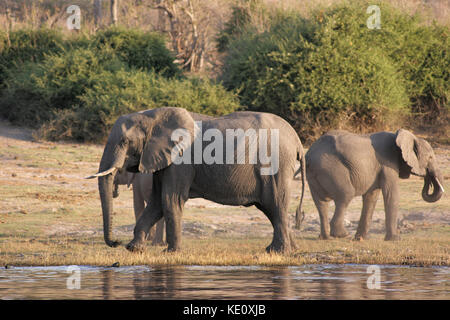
<point>46,177</point>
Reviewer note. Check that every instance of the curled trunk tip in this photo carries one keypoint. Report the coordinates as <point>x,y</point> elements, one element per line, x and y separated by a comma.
<point>438,189</point>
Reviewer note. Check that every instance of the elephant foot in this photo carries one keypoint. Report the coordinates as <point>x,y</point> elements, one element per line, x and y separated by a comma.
<point>392,237</point>
<point>361,237</point>
<point>279,248</point>
<point>324,237</point>
<point>114,244</point>
<point>293,244</point>
<point>135,246</point>
<point>158,243</point>
<point>339,233</point>
<point>171,249</point>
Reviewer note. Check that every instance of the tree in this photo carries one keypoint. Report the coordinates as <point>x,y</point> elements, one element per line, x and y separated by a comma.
<point>114,9</point>
<point>97,13</point>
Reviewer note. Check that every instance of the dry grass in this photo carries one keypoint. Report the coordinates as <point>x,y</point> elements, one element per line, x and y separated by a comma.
<point>50,215</point>
<point>423,248</point>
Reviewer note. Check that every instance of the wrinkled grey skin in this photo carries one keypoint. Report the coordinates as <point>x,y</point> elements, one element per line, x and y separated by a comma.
<point>142,190</point>
<point>342,165</point>
<point>141,142</point>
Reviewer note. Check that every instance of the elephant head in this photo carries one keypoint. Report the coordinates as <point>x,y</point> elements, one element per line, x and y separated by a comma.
<point>419,159</point>
<point>138,142</point>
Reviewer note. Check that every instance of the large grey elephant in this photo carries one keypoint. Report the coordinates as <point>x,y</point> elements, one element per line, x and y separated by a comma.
<point>142,190</point>
<point>341,165</point>
<point>144,142</point>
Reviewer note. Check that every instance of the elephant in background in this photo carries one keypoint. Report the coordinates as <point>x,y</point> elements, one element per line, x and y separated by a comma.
<point>142,142</point>
<point>341,165</point>
<point>142,190</point>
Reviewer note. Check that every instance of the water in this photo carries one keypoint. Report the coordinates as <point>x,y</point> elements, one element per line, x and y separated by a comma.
<point>216,282</point>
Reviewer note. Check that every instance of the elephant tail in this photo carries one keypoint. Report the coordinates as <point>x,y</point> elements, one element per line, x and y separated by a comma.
<point>299,214</point>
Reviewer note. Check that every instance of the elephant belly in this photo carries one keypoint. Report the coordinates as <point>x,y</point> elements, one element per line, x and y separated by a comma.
<point>229,185</point>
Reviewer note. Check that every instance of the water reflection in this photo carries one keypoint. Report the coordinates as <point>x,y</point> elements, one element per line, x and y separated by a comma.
<point>197,282</point>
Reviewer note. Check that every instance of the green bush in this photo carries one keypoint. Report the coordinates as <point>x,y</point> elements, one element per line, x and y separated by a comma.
<point>33,95</point>
<point>117,93</point>
<point>240,18</point>
<point>26,45</point>
<point>79,94</point>
<point>76,88</point>
<point>139,49</point>
<point>331,70</point>
<point>419,52</point>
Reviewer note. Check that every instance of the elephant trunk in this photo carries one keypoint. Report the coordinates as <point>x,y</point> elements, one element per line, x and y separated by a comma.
<point>299,214</point>
<point>105,187</point>
<point>438,189</point>
<point>106,177</point>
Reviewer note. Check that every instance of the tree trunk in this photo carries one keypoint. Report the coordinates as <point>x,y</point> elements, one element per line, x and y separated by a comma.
<point>161,23</point>
<point>114,9</point>
<point>97,13</point>
<point>9,26</point>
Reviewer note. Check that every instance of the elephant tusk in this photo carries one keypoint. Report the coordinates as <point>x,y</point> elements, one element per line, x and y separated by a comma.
<point>440,185</point>
<point>101,174</point>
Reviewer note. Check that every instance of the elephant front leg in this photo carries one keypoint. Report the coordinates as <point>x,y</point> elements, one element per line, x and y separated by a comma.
<point>159,234</point>
<point>173,228</point>
<point>175,192</point>
<point>151,214</point>
<point>391,199</point>
<point>369,203</point>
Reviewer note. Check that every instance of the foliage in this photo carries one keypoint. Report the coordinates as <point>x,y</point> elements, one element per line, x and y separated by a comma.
<point>142,50</point>
<point>76,88</point>
<point>332,71</point>
<point>26,45</point>
<point>122,92</point>
<point>39,89</point>
<point>79,94</point>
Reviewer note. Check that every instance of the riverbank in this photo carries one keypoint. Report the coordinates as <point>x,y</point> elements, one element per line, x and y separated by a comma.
<point>50,215</point>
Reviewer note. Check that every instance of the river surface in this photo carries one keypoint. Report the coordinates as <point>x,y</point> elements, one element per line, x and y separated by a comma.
<point>217,282</point>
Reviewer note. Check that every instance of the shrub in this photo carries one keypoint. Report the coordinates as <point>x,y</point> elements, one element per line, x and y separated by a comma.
<point>122,92</point>
<point>419,52</point>
<point>78,91</point>
<point>26,45</point>
<point>240,18</point>
<point>39,89</point>
<point>139,49</point>
<point>332,71</point>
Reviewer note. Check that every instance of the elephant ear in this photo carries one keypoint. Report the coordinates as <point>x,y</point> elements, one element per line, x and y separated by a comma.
<point>410,150</point>
<point>159,147</point>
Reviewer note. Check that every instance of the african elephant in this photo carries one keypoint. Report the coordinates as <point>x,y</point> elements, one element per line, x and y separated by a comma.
<point>178,150</point>
<point>341,165</point>
<point>142,190</point>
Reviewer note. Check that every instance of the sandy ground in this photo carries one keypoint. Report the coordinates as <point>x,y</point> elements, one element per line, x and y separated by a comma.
<point>202,217</point>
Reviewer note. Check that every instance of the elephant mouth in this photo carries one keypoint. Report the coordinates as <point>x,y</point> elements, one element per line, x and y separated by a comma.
<point>134,169</point>
<point>438,189</point>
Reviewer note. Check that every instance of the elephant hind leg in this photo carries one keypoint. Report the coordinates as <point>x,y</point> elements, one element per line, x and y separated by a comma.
<point>322,207</point>
<point>337,222</point>
<point>282,240</point>
<point>369,203</point>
